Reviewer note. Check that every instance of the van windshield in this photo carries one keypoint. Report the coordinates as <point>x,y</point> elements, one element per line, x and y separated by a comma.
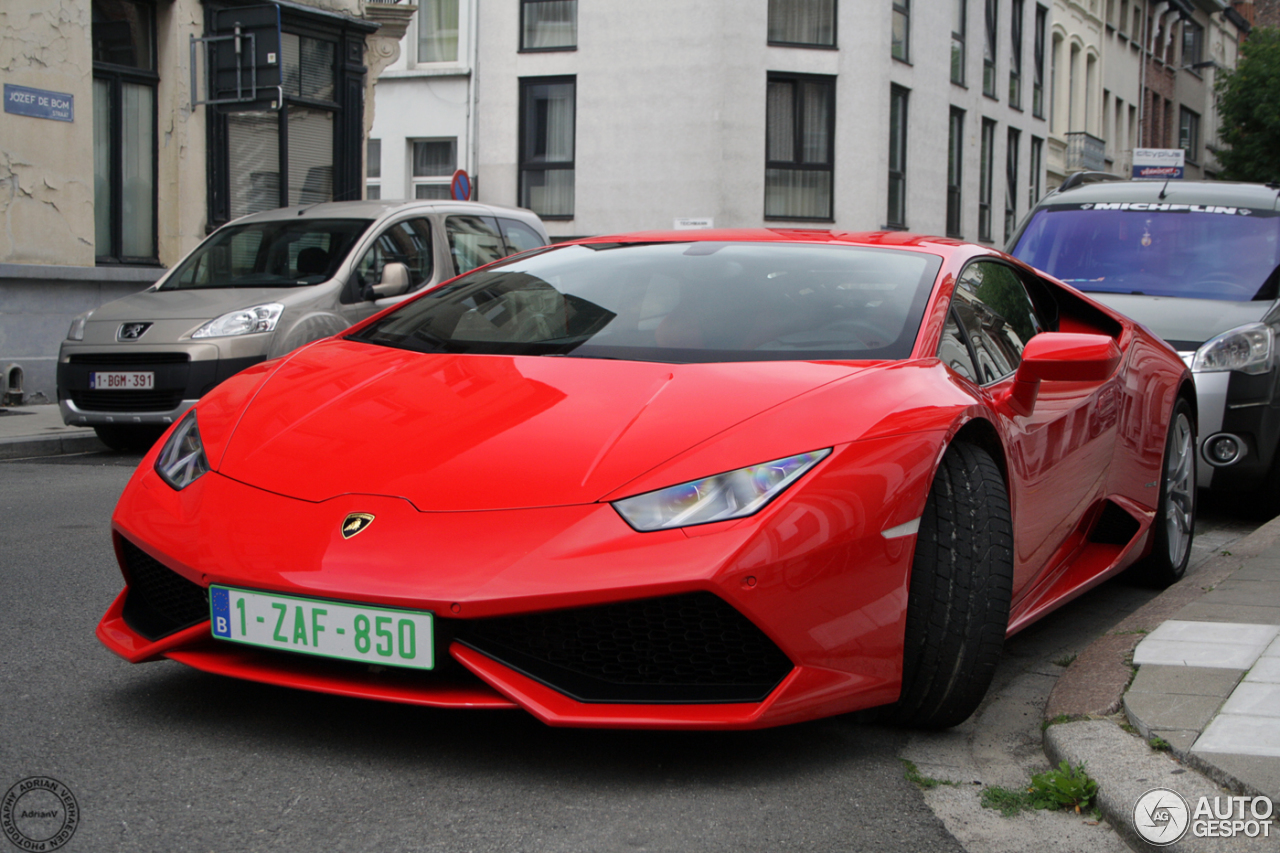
<point>276,253</point>
<point>1190,251</point>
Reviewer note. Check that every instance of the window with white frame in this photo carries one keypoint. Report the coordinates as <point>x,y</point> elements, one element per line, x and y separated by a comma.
<point>433,163</point>
<point>986,165</point>
<point>437,31</point>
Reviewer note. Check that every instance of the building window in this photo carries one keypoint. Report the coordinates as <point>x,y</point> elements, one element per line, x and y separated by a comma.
<point>986,167</point>
<point>897,216</point>
<point>1035,166</point>
<point>989,49</point>
<point>1015,55</point>
<point>1189,135</point>
<point>1192,43</point>
<point>901,30</point>
<point>1011,183</point>
<point>799,139</point>
<point>438,31</point>
<point>547,106</point>
<point>305,147</point>
<point>434,162</point>
<point>955,161</point>
<point>548,24</point>
<point>124,132</point>
<point>373,170</point>
<point>1037,73</point>
<point>810,23</point>
<point>958,28</point>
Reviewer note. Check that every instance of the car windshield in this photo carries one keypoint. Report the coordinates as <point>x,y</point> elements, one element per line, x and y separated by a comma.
<point>277,253</point>
<point>676,302</point>
<point>1193,251</point>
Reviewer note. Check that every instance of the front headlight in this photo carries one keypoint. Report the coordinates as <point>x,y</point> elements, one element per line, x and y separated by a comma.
<point>735,494</point>
<point>259,318</point>
<point>76,332</point>
<point>182,461</point>
<point>1246,349</point>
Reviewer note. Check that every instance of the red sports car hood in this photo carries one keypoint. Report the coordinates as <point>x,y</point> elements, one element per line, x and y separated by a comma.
<point>482,432</point>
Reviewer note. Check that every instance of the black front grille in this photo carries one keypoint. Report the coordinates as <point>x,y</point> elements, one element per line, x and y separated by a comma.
<point>126,401</point>
<point>128,359</point>
<point>683,648</point>
<point>160,600</point>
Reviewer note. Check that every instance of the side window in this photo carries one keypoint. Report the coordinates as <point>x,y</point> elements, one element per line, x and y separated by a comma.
<point>519,236</point>
<point>994,308</point>
<point>954,349</point>
<point>408,243</point>
<point>473,241</point>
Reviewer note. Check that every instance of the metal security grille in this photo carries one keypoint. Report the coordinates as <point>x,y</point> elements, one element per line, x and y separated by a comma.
<point>160,600</point>
<point>126,401</point>
<point>684,648</point>
<point>122,359</point>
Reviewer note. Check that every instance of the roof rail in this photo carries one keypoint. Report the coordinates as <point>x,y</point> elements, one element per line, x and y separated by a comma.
<point>1076,179</point>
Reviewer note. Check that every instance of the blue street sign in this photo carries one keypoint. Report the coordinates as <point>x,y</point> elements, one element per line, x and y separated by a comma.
<point>39,103</point>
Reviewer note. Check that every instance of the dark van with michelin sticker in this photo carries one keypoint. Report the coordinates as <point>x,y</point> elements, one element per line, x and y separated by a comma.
<point>1198,262</point>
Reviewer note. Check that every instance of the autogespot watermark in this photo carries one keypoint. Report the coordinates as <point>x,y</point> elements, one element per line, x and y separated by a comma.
<point>1163,816</point>
<point>39,814</point>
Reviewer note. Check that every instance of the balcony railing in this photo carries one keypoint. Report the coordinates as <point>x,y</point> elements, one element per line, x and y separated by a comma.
<point>1085,152</point>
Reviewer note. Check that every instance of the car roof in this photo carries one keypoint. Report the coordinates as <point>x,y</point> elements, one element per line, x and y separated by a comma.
<point>1170,192</point>
<point>372,209</point>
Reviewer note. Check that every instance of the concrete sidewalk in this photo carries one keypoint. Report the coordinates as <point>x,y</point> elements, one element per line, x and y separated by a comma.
<point>27,431</point>
<point>1201,716</point>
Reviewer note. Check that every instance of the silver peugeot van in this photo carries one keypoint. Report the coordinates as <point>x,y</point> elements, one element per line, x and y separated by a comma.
<point>1198,262</point>
<point>260,287</point>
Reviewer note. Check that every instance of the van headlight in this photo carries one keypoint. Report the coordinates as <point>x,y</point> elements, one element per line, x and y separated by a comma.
<point>76,332</point>
<point>1246,349</point>
<point>246,321</point>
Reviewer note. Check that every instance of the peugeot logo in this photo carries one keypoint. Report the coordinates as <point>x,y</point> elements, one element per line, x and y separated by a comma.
<point>131,331</point>
<point>355,523</point>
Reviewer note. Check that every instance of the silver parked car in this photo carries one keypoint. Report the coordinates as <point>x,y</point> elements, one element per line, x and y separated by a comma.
<point>260,287</point>
<point>1197,262</point>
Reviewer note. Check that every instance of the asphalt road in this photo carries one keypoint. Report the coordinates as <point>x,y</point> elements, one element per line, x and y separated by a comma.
<point>163,758</point>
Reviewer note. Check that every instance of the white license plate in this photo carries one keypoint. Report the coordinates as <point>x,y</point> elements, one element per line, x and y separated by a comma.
<point>359,632</point>
<point>131,380</point>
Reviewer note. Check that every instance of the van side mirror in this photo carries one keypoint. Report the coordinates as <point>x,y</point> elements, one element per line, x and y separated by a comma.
<point>1060,357</point>
<point>395,281</point>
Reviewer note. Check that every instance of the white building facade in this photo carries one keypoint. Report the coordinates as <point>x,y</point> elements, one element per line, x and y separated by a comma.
<point>607,116</point>
<point>423,126</point>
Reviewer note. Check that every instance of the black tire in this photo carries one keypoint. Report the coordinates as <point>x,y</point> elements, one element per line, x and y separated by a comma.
<point>961,585</point>
<point>1174,526</point>
<point>130,439</point>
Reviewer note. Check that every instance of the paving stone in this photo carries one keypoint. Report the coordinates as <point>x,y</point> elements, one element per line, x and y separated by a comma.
<point>1175,653</point>
<point>1180,739</point>
<point>1183,630</point>
<point>1255,699</point>
<point>1260,775</point>
<point>1171,711</point>
<point>1267,670</point>
<point>1202,612</point>
<point>1187,680</point>
<point>1249,593</point>
<point>1240,735</point>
